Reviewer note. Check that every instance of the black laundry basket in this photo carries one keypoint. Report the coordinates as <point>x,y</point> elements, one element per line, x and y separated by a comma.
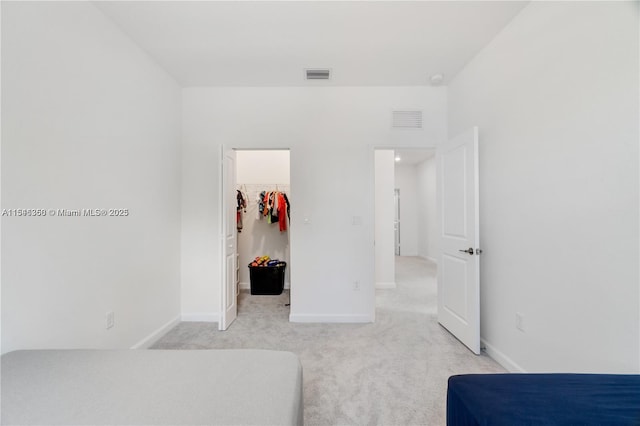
<point>267,280</point>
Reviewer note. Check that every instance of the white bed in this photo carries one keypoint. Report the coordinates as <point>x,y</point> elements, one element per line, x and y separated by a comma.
<point>151,387</point>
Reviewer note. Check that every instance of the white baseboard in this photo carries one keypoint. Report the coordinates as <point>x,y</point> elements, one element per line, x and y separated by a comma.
<point>201,317</point>
<point>501,358</point>
<point>386,285</point>
<point>431,259</point>
<point>320,318</point>
<point>156,335</point>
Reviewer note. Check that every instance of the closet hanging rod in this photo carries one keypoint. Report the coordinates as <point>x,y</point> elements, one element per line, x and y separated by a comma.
<point>248,187</point>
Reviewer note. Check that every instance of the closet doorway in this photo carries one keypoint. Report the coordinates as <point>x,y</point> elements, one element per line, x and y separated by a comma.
<point>262,184</point>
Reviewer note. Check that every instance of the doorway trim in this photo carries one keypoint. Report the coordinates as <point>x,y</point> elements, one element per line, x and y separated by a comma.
<point>373,149</point>
<point>223,206</point>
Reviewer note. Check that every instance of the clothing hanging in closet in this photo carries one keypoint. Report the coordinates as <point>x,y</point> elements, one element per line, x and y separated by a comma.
<point>275,206</point>
<point>241,208</point>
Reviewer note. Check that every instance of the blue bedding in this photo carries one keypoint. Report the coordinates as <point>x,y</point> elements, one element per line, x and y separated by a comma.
<point>543,399</point>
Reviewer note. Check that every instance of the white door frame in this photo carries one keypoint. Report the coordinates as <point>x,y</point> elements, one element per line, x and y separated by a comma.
<point>223,209</point>
<point>372,174</point>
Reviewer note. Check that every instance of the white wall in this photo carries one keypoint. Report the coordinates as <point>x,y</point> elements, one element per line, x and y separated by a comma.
<point>384,218</point>
<point>262,166</point>
<point>257,171</point>
<point>331,133</point>
<point>88,122</point>
<point>556,98</point>
<point>428,237</point>
<point>406,180</point>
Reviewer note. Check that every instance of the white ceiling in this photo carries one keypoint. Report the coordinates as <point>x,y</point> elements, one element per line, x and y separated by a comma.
<point>270,43</point>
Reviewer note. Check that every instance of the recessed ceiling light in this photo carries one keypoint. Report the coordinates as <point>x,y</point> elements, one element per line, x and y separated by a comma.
<point>436,79</point>
<point>398,157</point>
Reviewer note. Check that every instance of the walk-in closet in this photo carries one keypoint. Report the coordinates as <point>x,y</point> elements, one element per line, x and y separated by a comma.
<point>263,225</point>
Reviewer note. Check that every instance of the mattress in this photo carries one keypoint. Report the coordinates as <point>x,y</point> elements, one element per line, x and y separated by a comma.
<point>151,387</point>
<point>543,399</point>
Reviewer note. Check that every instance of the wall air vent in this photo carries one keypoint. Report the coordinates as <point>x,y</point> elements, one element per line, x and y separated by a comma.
<point>406,119</point>
<point>318,73</point>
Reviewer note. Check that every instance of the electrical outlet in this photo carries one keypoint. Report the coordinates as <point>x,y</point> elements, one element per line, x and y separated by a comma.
<point>519,321</point>
<point>110,319</point>
<point>356,286</point>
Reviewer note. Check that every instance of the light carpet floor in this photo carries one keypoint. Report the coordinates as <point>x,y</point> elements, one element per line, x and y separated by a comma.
<point>391,372</point>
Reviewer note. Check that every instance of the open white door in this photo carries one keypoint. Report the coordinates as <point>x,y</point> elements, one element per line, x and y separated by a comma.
<point>229,297</point>
<point>458,269</point>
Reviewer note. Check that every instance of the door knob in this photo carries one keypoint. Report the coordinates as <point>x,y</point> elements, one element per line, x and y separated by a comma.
<point>469,251</point>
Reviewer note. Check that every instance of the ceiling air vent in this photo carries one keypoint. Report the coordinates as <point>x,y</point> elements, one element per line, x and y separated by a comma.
<point>318,73</point>
<point>406,119</point>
